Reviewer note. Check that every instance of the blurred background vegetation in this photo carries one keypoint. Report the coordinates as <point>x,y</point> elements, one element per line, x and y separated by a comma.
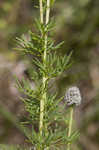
<point>77,23</point>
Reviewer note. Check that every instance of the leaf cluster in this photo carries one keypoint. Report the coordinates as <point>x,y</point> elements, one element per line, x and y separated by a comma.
<point>54,65</point>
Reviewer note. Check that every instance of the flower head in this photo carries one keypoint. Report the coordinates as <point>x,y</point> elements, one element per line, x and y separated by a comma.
<point>73,96</point>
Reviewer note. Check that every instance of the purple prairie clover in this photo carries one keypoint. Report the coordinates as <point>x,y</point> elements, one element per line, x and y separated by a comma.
<point>73,96</point>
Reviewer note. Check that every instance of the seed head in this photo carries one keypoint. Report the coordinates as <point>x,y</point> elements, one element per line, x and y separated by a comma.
<point>73,96</point>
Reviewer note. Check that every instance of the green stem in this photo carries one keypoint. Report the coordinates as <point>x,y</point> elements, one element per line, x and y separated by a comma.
<point>42,102</point>
<point>46,22</point>
<point>70,126</point>
<point>41,10</point>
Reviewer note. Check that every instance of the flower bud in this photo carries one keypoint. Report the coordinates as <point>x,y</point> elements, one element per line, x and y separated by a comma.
<point>73,96</point>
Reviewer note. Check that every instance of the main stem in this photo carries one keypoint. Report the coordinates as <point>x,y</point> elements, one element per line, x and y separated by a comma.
<point>41,11</point>
<point>42,102</point>
<point>70,126</point>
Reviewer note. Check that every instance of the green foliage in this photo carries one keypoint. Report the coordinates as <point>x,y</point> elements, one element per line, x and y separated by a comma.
<point>44,69</point>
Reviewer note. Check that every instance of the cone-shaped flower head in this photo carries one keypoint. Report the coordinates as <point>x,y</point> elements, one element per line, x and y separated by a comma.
<point>73,96</point>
